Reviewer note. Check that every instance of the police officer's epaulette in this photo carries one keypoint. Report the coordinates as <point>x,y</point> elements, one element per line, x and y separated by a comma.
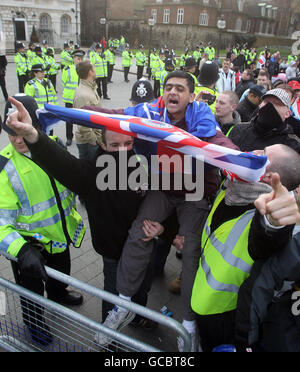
<point>67,68</point>
<point>31,82</point>
<point>3,162</point>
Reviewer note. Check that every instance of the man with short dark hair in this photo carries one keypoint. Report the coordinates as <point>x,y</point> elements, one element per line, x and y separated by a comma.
<point>248,106</point>
<point>87,139</point>
<point>227,77</point>
<point>245,83</point>
<point>177,107</point>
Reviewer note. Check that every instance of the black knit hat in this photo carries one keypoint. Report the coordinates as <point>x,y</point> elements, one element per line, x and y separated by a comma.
<point>142,92</point>
<point>209,73</point>
<point>30,105</point>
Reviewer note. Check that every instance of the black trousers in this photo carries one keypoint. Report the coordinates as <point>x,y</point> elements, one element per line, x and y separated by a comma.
<point>22,82</point>
<point>216,330</point>
<point>126,72</point>
<point>3,87</point>
<point>32,312</point>
<point>140,70</point>
<point>156,89</point>
<point>69,126</point>
<point>53,81</point>
<point>102,81</point>
<point>110,69</point>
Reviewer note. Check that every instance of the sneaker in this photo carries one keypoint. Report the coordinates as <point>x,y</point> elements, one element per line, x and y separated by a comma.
<point>144,323</point>
<point>195,345</point>
<point>116,319</point>
<point>174,286</point>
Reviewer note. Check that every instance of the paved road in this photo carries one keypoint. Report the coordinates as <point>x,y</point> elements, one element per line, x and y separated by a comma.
<point>86,264</point>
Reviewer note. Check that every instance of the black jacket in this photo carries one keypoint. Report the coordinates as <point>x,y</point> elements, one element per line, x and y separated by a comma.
<point>246,110</point>
<point>243,86</point>
<point>110,213</point>
<point>247,139</point>
<point>257,305</point>
<point>3,64</point>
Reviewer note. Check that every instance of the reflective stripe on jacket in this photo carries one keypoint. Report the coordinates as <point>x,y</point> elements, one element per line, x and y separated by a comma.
<point>23,64</point>
<point>224,264</point>
<point>70,81</point>
<point>42,92</point>
<point>100,63</point>
<point>32,206</point>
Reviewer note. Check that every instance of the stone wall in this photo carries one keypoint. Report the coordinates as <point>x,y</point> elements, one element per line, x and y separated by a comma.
<point>178,37</point>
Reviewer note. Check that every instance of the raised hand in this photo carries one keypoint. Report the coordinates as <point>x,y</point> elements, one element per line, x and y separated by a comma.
<point>279,206</point>
<point>20,122</point>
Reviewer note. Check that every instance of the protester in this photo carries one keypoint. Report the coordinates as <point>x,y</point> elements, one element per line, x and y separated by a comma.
<point>177,105</point>
<point>249,105</point>
<point>87,139</point>
<point>227,78</point>
<point>3,65</point>
<point>245,83</point>
<point>226,111</point>
<point>269,126</point>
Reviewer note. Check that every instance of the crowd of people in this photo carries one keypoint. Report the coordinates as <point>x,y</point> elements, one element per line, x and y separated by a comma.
<point>236,243</point>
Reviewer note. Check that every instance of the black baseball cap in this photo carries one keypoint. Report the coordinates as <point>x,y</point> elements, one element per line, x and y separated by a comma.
<point>258,90</point>
<point>142,91</point>
<point>30,105</point>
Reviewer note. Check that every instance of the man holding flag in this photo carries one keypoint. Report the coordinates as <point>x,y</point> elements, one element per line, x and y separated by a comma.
<point>177,107</point>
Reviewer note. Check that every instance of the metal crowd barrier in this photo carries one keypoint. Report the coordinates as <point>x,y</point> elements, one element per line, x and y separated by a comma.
<point>21,311</point>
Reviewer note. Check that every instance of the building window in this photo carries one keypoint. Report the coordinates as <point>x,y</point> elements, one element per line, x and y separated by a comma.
<point>240,4</point>
<point>263,11</point>
<point>261,27</point>
<point>65,24</point>
<point>159,1</point>
<point>166,16</point>
<point>176,1</point>
<point>205,2</point>
<point>248,25</point>
<point>275,12</point>
<point>180,16</point>
<point>44,22</point>
<point>154,14</point>
<point>203,19</point>
<point>238,24</point>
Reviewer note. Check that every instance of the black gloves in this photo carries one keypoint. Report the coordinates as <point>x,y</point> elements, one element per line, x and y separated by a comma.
<point>31,262</point>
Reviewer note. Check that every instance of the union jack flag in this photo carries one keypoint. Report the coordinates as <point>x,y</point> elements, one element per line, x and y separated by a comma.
<point>237,165</point>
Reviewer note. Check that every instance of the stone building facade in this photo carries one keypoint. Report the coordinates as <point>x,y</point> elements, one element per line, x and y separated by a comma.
<point>56,21</point>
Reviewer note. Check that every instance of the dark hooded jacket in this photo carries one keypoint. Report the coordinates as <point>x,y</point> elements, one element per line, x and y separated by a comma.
<point>265,129</point>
